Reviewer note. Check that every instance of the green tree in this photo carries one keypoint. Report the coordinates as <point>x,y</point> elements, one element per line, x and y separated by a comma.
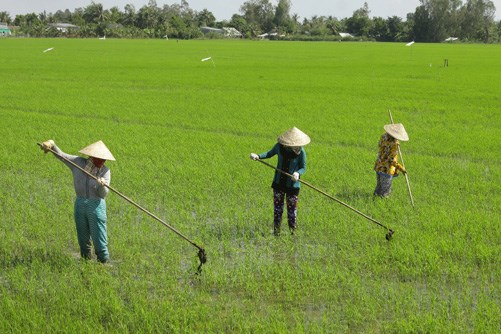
<point>258,13</point>
<point>5,17</point>
<point>43,17</point>
<point>95,13</point>
<point>442,18</point>
<point>321,26</point>
<point>77,17</point>
<point>115,15</point>
<point>422,30</point>
<point>295,22</point>
<point>478,20</point>
<point>454,19</point>
<point>407,32</point>
<point>498,29</point>
<point>205,18</point>
<point>177,27</point>
<point>129,16</point>
<point>179,21</point>
<point>379,29</point>
<point>395,28</point>
<point>65,17</point>
<point>359,23</point>
<point>30,24</point>
<point>282,19</point>
<point>238,22</point>
<point>333,25</point>
<point>148,16</point>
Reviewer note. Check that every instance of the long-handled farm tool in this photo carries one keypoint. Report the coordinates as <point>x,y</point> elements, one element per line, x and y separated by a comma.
<point>390,232</point>
<point>402,159</point>
<point>202,256</point>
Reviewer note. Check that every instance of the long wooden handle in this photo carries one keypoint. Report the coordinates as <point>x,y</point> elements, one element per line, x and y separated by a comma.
<point>403,164</point>
<point>126,198</point>
<point>325,194</point>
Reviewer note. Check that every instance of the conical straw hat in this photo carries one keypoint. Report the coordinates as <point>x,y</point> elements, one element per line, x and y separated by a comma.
<point>294,137</point>
<point>397,131</point>
<point>98,150</point>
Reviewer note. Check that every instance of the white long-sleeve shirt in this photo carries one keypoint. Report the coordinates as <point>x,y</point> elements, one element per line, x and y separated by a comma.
<point>85,186</point>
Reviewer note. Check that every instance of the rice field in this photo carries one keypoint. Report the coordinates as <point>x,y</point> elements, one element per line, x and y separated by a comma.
<point>181,130</point>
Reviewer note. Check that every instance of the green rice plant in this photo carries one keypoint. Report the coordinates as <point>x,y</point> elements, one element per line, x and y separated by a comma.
<point>182,130</point>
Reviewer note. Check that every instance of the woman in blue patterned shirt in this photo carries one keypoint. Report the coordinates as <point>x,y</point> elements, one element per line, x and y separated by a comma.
<point>291,159</point>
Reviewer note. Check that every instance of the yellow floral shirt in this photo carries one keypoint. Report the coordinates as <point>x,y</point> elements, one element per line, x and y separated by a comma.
<point>387,158</point>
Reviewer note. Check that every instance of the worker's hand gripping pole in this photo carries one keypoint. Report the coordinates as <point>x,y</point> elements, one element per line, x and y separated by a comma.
<point>403,164</point>
<point>201,252</point>
<point>390,231</point>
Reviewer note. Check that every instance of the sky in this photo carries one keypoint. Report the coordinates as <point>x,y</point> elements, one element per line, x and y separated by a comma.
<point>224,9</point>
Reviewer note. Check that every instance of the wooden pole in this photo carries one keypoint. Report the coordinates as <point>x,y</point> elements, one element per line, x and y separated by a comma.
<point>128,200</point>
<point>329,196</point>
<point>403,164</point>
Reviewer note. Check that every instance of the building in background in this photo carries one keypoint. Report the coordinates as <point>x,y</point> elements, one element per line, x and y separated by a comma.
<point>4,30</point>
<point>64,27</point>
<point>226,32</point>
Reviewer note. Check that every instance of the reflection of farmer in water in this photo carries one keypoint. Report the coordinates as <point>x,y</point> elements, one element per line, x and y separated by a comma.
<point>387,166</point>
<point>90,206</point>
<point>291,159</point>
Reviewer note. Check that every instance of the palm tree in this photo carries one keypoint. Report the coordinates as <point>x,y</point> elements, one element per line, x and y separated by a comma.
<point>5,18</point>
<point>95,13</point>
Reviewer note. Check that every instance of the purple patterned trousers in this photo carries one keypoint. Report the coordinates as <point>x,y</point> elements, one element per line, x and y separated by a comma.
<point>278,202</point>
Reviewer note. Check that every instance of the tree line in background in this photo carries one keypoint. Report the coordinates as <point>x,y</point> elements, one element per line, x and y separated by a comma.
<point>432,21</point>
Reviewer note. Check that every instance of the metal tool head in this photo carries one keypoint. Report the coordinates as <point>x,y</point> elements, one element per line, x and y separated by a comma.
<point>389,235</point>
<point>202,256</point>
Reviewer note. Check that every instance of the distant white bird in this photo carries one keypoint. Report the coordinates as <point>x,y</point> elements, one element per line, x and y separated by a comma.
<point>104,37</point>
<point>409,44</point>
<point>49,49</point>
<point>208,58</point>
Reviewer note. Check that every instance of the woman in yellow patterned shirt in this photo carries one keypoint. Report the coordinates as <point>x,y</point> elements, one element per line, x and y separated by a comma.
<point>387,166</point>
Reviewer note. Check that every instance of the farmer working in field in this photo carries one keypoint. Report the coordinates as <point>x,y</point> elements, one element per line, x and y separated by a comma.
<point>291,159</point>
<point>387,166</point>
<point>90,206</point>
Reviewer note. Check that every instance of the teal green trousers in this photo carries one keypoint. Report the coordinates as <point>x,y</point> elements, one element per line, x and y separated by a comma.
<point>90,219</point>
